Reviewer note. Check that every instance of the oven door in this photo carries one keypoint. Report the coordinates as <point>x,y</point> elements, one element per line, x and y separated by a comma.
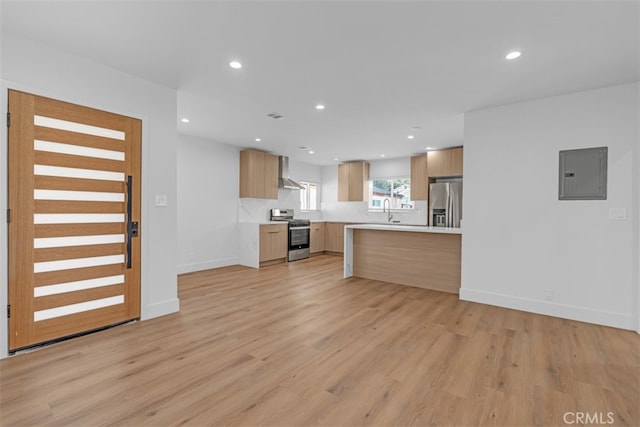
<point>299,237</point>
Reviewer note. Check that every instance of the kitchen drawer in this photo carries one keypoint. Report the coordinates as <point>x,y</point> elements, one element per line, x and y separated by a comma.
<point>271,228</point>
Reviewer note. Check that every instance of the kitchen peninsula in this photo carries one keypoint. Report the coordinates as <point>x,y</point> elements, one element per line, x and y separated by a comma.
<point>413,255</point>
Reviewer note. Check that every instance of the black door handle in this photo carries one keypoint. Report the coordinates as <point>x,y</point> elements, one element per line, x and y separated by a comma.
<point>132,227</point>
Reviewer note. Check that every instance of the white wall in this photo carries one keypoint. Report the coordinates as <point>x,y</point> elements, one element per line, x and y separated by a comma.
<point>520,243</point>
<point>207,204</point>
<point>332,210</point>
<point>41,70</point>
<point>209,207</point>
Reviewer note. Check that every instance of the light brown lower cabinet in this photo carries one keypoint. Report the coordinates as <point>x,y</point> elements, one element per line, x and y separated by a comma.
<point>316,237</point>
<point>273,242</point>
<point>426,260</point>
<point>334,236</point>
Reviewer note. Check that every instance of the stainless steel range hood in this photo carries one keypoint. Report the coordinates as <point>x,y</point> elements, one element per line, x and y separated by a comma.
<point>283,175</point>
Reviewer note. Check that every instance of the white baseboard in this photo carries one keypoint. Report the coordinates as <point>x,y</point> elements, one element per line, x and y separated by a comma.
<point>582,314</point>
<point>199,266</point>
<point>161,309</point>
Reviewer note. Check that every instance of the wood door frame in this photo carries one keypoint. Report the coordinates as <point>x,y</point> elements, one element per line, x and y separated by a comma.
<point>4,230</point>
<point>5,87</point>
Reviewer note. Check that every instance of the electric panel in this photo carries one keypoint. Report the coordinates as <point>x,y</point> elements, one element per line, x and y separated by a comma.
<point>583,174</point>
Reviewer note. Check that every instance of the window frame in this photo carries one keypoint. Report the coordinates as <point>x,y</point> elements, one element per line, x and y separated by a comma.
<point>307,185</point>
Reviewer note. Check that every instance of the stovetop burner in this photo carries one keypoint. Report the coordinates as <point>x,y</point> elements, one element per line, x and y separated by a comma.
<point>287,215</point>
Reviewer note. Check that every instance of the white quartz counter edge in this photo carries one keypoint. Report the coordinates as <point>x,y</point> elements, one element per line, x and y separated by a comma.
<point>400,227</point>
<point>348,237</point>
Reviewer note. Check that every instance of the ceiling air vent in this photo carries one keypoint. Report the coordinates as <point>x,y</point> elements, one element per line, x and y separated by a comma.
<point>275,115</point>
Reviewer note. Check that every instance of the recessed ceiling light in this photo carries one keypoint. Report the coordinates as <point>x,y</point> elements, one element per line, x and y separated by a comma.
<point>235,64</point>
<point>335,159</point>
<point>311,151</point>
<point>410,137</point>
<point>319,107</point>
<point>513,55</point>
<point>427,148</point>
<point>381,155</point>
<point>258,139</point>
<point>184,120</point>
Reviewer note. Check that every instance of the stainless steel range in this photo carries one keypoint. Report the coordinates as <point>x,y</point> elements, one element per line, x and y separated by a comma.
<point>299,233</point>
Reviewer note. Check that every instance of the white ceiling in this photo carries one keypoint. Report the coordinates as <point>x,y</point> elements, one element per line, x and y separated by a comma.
<point>379,67</point>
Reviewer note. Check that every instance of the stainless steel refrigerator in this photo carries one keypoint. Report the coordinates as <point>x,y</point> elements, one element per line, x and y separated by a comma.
<point>445,204</point>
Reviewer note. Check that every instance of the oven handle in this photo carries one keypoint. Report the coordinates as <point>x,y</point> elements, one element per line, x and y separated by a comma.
<point>300,228</point>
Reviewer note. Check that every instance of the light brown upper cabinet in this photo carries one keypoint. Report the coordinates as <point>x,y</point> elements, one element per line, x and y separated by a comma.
<point>258,175</point>
<point>425,168</point>
<point>419,178</point>
<point>444,162</point>
<point>353,182</point>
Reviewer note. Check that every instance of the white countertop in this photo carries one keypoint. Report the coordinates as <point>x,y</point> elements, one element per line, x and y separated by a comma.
<point>263,222</point>
<point>378,226</point>
<point>402,227</point>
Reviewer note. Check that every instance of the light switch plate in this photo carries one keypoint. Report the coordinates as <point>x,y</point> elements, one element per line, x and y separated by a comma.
<point>617,214</point>
<point>161,200</point>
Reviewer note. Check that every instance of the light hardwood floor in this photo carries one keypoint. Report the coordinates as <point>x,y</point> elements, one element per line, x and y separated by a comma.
<point>295,344</point>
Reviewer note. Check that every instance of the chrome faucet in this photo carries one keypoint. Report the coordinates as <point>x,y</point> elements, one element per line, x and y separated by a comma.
<point>387,204</point>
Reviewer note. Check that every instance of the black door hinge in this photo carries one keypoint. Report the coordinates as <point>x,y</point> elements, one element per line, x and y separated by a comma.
<point>8,216</point>
<point>8,119</point>
<point>8,311</point>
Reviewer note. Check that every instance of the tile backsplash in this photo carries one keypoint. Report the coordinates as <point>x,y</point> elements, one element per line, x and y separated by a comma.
<point>359,212</point>
<point>257,210</point>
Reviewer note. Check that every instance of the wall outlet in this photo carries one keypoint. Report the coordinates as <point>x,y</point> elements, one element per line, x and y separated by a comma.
<point>548,294</point>
<point>161,200</point>
<point>617,214</point>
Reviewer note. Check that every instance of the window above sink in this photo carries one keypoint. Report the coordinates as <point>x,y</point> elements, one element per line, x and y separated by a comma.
<point>397,190</point>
